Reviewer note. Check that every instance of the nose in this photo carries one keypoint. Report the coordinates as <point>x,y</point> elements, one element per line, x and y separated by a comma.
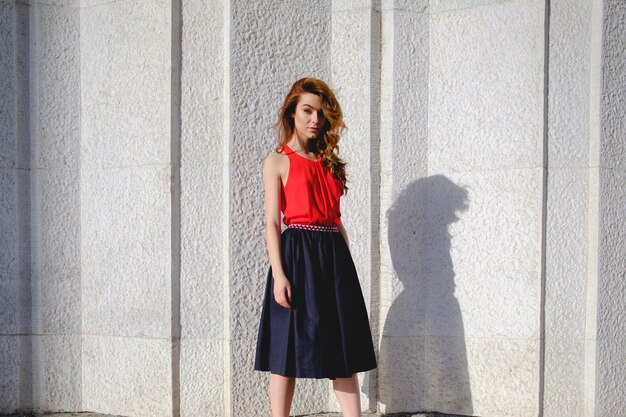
<point>315,117</point>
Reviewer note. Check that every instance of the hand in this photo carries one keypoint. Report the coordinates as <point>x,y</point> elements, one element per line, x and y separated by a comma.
<point>282,292</point>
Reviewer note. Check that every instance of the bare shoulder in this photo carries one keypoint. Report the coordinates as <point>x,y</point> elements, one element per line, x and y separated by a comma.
<point>275,163</point>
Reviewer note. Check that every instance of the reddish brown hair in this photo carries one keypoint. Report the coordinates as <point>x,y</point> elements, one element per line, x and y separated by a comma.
<point>326,142</point>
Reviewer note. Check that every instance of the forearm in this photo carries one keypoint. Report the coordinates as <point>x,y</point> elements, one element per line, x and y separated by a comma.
<point>273,249</point>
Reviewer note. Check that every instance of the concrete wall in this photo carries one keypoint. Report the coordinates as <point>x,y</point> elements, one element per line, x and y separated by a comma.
<point>41,262</point>
<point>482,306</point>
<point>567,206</point>
<point>611,215</point>
<point>403,160</point>
<point>203,188</point>
<point>457,299</point>
<point>126,210</point>
<point>55,175</point>
<point>486,163</point>
<point>15,274</point>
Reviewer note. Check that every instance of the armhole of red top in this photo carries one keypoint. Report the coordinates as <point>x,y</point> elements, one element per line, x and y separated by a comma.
<point>288,168</point>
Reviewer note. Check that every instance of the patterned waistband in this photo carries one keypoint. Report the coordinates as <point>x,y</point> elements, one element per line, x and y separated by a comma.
<point>315,227</point>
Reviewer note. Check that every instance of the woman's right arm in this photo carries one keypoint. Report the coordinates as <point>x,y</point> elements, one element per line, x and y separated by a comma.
<point>273,184</point>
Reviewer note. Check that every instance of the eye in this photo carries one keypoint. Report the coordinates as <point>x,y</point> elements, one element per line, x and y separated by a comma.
<point>307,111</point>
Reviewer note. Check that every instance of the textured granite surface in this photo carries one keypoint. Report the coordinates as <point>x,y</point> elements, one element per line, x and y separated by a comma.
<point>486,159</point>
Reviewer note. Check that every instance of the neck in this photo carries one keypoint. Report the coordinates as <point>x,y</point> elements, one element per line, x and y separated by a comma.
<point>297,143</point>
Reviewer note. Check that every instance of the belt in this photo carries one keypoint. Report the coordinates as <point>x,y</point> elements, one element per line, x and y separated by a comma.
<point>316,227</point>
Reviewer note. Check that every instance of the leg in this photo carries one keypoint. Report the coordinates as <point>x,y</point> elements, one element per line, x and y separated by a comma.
<point>347,393</point>
<point>281,394</point>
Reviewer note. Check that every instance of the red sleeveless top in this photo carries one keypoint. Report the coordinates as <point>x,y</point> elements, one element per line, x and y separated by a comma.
<point>311,195</point>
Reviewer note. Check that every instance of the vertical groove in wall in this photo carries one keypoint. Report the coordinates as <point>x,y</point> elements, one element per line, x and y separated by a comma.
<point>375,87</point>
<point>23,203</point>
<point>428,71</point>
<point>385,192</point>
<point>544,207</point>
<point>226,201</point>
<point>35,211</point>
<point>593,207</point>
<point>79,162</point>
<point>175,223</point>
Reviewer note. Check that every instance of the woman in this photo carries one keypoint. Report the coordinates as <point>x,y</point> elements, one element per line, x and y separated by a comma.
<point>314,323</point>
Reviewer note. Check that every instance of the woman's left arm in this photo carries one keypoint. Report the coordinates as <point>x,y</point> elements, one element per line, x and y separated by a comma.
<point>344,233</point>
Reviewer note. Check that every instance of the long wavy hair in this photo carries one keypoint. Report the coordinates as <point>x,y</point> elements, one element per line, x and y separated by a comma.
<point>326,142</point>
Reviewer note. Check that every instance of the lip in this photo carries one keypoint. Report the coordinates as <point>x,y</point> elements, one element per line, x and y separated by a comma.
<point>314,129</point>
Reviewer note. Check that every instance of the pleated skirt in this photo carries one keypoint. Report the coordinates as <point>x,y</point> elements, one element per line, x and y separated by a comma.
<point>326,332</point>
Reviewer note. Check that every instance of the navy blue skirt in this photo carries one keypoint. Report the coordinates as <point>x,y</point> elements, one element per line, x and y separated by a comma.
<point>326,332</point>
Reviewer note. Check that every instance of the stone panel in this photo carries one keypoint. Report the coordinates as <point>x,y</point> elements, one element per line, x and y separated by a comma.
<point>59,308</point>
<point>126,251</point>
<point>486,87</point>
<point>611,303</point>
<point>201,375</point>
<point>569,88</point>
<point>14,178</point>
<point>504,376</point>
<point>404,100</point>
<point>125,83</point>
<point>15,353</point>
<point>128,376</point>
<point>456,237</point>
<point>613,144</point>
<point>566,253</point>
<point>480,269</point>
<point>494,251</point>
<point>401,373</point>
<point>126,207</point>
<point>9,252</point>
<point>403,157</point>
<point>59,367</point>
<point>461,278</point>
<point>10,355</point>
<point>57,87</point>
<point>565,289</point>
<point>202,185</point>
<point>429,374</point>
<point>54,139</point>
<point>8,83</point>
<point>203,358</point>
<point>564,374</point>
<point>611,290</point>
<point>610,376</point>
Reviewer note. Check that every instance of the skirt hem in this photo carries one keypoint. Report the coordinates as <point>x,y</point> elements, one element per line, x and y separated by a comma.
<point>313,374</point>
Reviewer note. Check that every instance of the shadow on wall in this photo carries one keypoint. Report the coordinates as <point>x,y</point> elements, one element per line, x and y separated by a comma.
<point>423,346</point>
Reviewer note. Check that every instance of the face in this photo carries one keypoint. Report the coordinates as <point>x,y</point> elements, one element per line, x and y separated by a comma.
<point>308,117</point>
